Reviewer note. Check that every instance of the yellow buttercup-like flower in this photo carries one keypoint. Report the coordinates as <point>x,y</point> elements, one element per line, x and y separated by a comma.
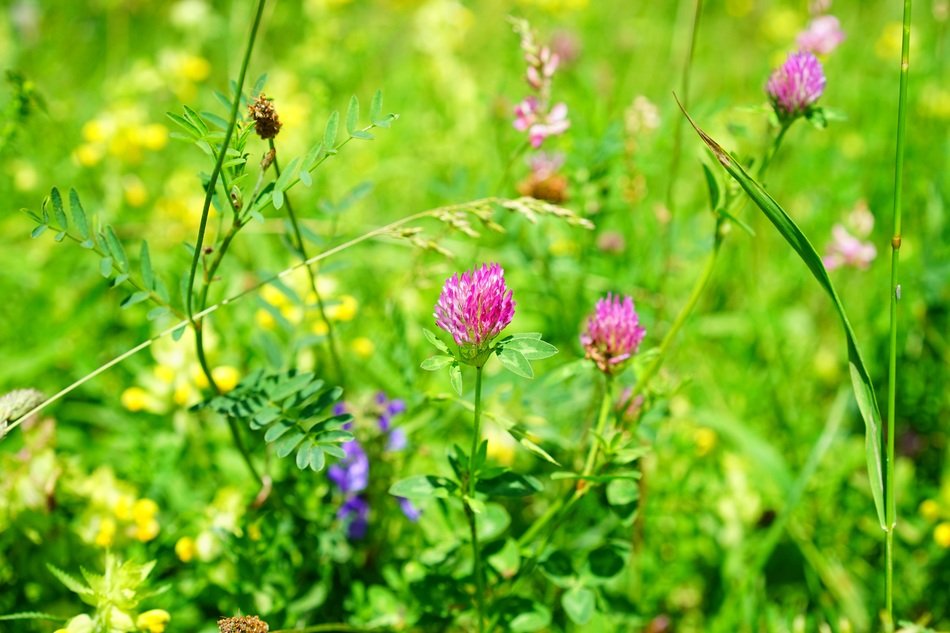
<point>146,530</point>
<point>144,510</point>
<point>185,549</point>
<point>226,377</point>
<point>363,347</point>
<point>106,534</point>
<point>134,399</point>
<point>345,310</point>
<point>153,621</point>
<point>930,509</point>
<point>942,534</point>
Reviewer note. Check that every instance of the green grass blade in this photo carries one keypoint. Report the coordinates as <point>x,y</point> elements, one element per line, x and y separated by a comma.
<point>860,378</point>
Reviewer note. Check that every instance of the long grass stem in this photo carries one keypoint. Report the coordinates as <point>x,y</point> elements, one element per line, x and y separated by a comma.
<point>890,505</point>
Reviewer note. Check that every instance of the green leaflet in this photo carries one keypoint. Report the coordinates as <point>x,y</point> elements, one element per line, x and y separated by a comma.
<point>860,379</point>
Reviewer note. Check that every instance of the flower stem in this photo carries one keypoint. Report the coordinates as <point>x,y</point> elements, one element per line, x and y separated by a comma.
<point>213,179</point>
<point>890,506</point>
<point>302,252</point>
<point>773,150</point>
<point>469,513</point>
<point>196,256</point>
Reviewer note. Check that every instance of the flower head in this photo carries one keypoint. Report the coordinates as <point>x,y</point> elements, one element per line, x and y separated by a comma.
<point>153,621</point>
<point>355,514</point>
<point>848,250</point>
<point>476,306</point>
<point>351,474</point>
<point>266,122</point>
<point>613,333</point>
<point>242,624</point>
<point>796,85</point>
<point>822,36</point>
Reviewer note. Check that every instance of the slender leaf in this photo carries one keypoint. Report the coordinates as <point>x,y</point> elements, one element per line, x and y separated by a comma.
<point>329,133</point>
<point>58,211</point>
<point>435,340</point>
<point>79,215</point>
<point>860,377</point>
<point>531,348</point>
<point>116,249</point>
<point>145,263</point>
<point>352,115</point>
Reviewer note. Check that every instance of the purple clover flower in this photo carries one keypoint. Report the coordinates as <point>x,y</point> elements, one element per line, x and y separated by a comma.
<point>613,333</point>
<point>822,36</point>
<point>351,474</point>
<point>476,306</point>
<point>796,85</point>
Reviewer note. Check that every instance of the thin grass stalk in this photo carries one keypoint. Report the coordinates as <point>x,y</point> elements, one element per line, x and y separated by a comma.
<point>890,506</point>
<point>677,151</point>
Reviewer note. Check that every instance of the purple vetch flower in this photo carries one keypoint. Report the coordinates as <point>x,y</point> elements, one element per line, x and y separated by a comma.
<point>822,36</point>
<point>351,474</point>
<point>613,333</point>
<point>796,85</point>
<point>409,510</point>
<point>355,514</point>
<point>476,306</point>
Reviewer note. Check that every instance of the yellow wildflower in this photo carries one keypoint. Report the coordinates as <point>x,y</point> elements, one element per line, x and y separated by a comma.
<point>153,136</point>
<point>123,507</point>
<point>185,549</point>
<point>930,509</point>
<point>134,192</point>
<point>134,399</point>
<point>147,530</point>
<point>144,510</point>
<point>165,373</point>
<point>88,155</point>
<point>265,319</point>
<point>363,347</point>
<point>201,381</point>
<point>705,440</point>
<point>274,296</point>
<point>345,310</point>
<point>194,68</point>
<point>106,534</point>
<point>254,532</point>
<point>96,130</point>
<point>182,394</point>
<point>153,621</point>
<point>226,377</point>
<point>320,328</point>
<point>942,534</point>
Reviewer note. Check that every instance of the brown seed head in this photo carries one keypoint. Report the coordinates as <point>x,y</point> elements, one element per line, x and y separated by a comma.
<point>266,122</point>
<point>242,624</point>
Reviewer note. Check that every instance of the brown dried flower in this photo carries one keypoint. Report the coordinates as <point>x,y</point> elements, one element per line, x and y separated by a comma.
<point>266,122</point>
<point>242,624</point>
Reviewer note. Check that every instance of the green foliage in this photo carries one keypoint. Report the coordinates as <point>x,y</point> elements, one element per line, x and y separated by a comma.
<point>294,410</point>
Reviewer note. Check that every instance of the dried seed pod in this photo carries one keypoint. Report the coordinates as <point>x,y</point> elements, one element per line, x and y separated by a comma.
<point>266,122</point>
<point>242,624</point>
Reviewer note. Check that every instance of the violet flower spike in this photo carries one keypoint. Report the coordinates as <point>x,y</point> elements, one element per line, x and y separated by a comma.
<point>475,307</point>
<point>795,86</point>
<point>613,333</point>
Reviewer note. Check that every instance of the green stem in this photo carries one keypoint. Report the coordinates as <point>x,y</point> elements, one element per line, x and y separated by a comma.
<point>890,505</point>
<point>302,251</point>
<point>470,514</point>
<point>678,126</point>
<point>506,175</point>
<point>212,182</point>
<point>699,287</point>
<point>209,276</point>
<point>773,150</point>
